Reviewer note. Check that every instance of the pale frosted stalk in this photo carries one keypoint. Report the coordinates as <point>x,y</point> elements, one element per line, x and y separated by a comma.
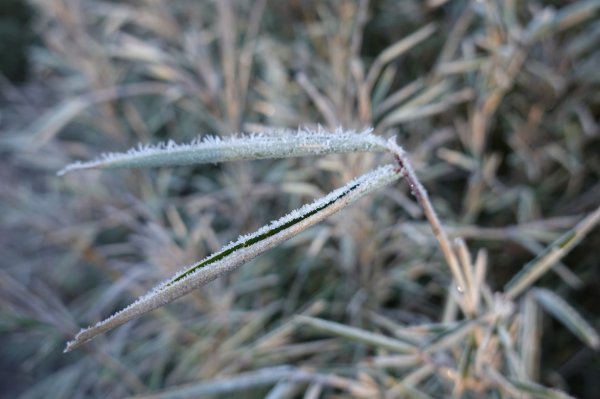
<point>531,337</point>
<point>243,250</point>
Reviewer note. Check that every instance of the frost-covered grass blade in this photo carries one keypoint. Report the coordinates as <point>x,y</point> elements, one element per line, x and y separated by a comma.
<point>243,250</point>
<point>210,149</point>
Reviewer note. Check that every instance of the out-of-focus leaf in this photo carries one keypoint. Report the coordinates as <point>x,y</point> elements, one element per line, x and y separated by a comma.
<point>567,315</point>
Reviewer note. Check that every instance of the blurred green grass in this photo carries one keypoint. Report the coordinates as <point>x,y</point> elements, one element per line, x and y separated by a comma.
<point>496,101</point>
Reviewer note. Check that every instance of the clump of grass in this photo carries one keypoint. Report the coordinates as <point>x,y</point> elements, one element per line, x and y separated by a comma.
<point>487,318</point>
<point>494,101</point>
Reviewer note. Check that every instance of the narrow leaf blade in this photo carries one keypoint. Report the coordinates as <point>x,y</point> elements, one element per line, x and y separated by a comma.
<point>278,144</point>
<point>357,334</point>
<point>243,250</point>
<point>568,316</point>
<point>537,267</point>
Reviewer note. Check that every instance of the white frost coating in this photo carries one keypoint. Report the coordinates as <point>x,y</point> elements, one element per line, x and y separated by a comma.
<point>363,184</point>
<point>172,289</point>
<point>210,149</point>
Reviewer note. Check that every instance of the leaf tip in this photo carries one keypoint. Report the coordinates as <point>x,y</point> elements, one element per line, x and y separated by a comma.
<point>72,345</point>
<point>75,166</point>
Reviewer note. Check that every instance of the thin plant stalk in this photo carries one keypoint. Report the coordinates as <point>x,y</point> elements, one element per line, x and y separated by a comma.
<point>422,197</point>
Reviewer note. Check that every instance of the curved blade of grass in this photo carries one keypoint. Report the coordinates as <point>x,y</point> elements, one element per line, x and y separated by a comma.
<point>515,388</point>
<point>279,144</point>
<point>396,50</point>
<point>539,391</point>
<point>53,121</point>
<point>568,316</point>
<point>556,251</point>
<point>243,250</point>
<point>356,334</point>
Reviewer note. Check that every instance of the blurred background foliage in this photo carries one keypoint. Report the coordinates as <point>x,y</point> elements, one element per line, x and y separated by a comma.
<point>16,38</point>
<point>497,101</point>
